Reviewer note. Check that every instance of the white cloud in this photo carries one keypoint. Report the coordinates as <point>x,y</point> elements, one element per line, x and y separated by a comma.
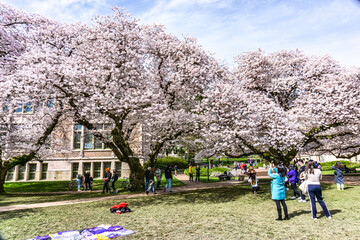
<point>229,27</point>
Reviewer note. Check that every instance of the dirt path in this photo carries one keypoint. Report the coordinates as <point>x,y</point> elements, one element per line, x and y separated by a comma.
<point>184,178</point>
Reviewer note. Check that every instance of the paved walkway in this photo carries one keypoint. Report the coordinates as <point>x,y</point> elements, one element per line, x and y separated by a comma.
<point>182,177</point>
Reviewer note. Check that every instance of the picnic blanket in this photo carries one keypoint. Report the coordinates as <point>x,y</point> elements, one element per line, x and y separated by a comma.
<point>102,232</point>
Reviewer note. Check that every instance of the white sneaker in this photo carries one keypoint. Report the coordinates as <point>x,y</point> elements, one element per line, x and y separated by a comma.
<point>293,197</point>
<point>287,189</point>
<point>302,200</point>
<point>315,219</point>
<point>329,217</point>
<point>299,198</point>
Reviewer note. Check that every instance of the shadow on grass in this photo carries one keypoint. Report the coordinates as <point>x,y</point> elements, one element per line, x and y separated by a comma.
<point>215,195</point>
<point>16,214</point>
<point>332,212</point>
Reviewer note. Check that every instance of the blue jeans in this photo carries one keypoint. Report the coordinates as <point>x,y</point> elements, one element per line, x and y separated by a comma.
<point>315,190</point>
<point>151,186</point>
<point>78,181</point>
<point>168,184</point>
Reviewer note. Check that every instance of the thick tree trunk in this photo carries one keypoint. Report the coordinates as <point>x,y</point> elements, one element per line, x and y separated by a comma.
<point>137,173</point>
<point>3,172</point>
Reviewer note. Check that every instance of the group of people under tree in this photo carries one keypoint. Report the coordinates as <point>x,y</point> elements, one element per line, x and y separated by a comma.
<point>151,174</point>
<point>86,181</point>
<point>309,172</point>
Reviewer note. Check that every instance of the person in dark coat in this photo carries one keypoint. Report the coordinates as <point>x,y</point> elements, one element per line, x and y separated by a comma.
<point>114,178</point>
<point>151,182</point>
<point>339,176</point>
<point>87,181</point>
<point>147,172</point>
<point>107,179</point>
<point>197,178</point>
<point>168,176</point>
<point>292,176</point>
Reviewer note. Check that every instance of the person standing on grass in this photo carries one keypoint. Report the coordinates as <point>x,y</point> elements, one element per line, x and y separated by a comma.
<point>114,178</point>
<point>255,187</point>
<point>158,177</point>
<point>278,189</point>
<point>313,176</point>
<point>78,181</point>
<point>197,178</point>
<point>301,178</point>
<point>168,176</point>
<point>87,181</point>
<point>338,175</point>
<point>191,176</point>
<point>147,177</point>
<point>251,172</point>
<point>292,177</point>
<point>107,178</point>
<point>151,182</point>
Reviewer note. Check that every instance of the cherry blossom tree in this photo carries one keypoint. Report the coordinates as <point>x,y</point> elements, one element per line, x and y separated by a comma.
<point>281,103</point>
<point>126,75</point>
<point>27,120</point>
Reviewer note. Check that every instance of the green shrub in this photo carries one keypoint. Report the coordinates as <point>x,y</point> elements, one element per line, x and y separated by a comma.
<point>172,161</point>
<point>203,171</point>
<point>327,166</point>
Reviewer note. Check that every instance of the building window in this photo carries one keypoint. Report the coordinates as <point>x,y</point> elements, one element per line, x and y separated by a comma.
<point>87,167</point>
<point>97,170</point>
<point>32,171</point>
<point>118,168</point>
<point>21,173</point>
<point>10,174</point>
<point>75,170</point>
<point>44,169</point>
<point>77,136</point>
<point>90,141</point>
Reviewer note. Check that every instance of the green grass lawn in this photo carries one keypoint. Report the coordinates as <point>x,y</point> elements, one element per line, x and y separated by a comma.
<point>13,196</point>
<point>225,213</point>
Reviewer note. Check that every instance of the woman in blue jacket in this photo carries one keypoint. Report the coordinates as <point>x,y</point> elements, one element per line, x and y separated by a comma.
<point>278,189</point>
<point>339,176</point>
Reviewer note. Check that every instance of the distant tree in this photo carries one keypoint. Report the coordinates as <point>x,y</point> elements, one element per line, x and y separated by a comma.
<point>282,103</point>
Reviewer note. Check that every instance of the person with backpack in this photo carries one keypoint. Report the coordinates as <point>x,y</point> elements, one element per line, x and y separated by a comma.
<point>338,175</point>
<point>313,176</point>
<point>107,178</point>
<point>255,187</point>
<point>168,176</point>
<point>278,189</point>
<point>114,178</point>
<point>79,181</point>
<point>87,181</point>
<point>292,178</point>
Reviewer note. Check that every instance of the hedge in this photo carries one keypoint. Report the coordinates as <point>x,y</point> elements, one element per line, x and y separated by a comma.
<point>172,161</point>
<point>327,166</point>
<point>203,171</point>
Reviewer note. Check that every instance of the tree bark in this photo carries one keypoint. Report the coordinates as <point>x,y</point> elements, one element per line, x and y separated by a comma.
<point>137,173</point>
<point>3,172</point>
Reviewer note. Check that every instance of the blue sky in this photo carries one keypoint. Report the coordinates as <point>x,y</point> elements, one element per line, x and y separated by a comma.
<point>229,27</point>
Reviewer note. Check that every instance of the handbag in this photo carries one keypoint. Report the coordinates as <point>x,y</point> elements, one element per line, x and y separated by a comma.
<point>304,187</point>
